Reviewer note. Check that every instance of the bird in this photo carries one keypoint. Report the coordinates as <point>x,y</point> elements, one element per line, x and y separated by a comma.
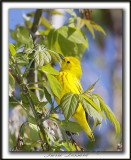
<point>69,78</point>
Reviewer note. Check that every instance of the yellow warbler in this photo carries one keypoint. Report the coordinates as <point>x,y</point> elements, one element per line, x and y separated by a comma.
<point>69,78</point>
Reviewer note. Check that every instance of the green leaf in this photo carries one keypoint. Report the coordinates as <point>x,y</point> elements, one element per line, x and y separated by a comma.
<point>48,96</point>
<point>39,58</point>
<point>29,45</point>
<point>71,126</point>
<point>52,38</point>
<point>11,84</point>
<point>55,56</point>
<point>12,49</point>
<point>21,34</point>
<point>71,12</point>
<point>80,50</point>
<point>21,60</point>
<point>25,99</point>
<point>90,88</point>
<point>34,97</point>
<point>93,104</point>
<point>54,84</point>
<point>80,23</point>
<point>31,143</point>
<point>74,39</point>
<point>28,23</point>
<point>34,131</point>
<point>44,32</point>
<point>34,127</point>
<point>45,22</point>
<point>32,120</point>
<point>12,102</point>
<point>73,35</point>
<point>41,55</point>
<point>72,22</point>
<point>89,26</point>
<point>97,117</point>
<point>110,115</point>
<point>49,69</point>
<point>97,27</point>
<point>69,104</point>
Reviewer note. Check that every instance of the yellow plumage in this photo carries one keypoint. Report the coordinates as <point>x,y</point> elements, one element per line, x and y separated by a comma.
<point>69,78</point>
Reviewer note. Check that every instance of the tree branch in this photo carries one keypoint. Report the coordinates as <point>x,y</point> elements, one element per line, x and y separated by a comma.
<point>36,22</point>
<point>35,26</point>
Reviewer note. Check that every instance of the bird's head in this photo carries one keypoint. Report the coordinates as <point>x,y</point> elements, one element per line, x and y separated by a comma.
<point>71,65</point>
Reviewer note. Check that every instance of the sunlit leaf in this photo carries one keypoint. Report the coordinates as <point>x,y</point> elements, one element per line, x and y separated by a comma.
<point>72,22</point>
<point>49,69</point>
<point>12,49</point>
<point>54,84</point>
<point>80,23</point>
<point>92,104</point>
<point>71,12</point>
<point>89,26</point>
<point>97,117</point>
<point>52,38</point>
<point>29,45</point>
<point>34,127</point>
<point>69,104</point>
<point>20,34</point>
<point>55,56</point>
<point>41,55</point>
<point>28,24</point>
<point>73,35</point>
<point>45,22</point>
<point>44,32</point>
<point>97,27</point>
<point>110,115</point>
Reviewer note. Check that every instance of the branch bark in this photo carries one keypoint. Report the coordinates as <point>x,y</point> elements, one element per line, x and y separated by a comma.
<point>34,29</point>
<point>36,22</point>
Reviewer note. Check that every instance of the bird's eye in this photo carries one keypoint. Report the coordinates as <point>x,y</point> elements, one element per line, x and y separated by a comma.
<point>68,61</point>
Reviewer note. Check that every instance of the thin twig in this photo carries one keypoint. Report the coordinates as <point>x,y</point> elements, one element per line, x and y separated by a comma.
<point>19,140</point>
<point>74,142</point>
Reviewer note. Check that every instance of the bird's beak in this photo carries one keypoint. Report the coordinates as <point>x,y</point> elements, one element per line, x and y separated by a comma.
<point>62,57</point>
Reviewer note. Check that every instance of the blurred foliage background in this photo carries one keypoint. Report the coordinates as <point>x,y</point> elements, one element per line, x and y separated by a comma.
<point>102,58</point>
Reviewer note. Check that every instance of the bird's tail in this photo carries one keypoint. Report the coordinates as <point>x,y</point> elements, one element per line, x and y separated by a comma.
<point>80,116</point>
